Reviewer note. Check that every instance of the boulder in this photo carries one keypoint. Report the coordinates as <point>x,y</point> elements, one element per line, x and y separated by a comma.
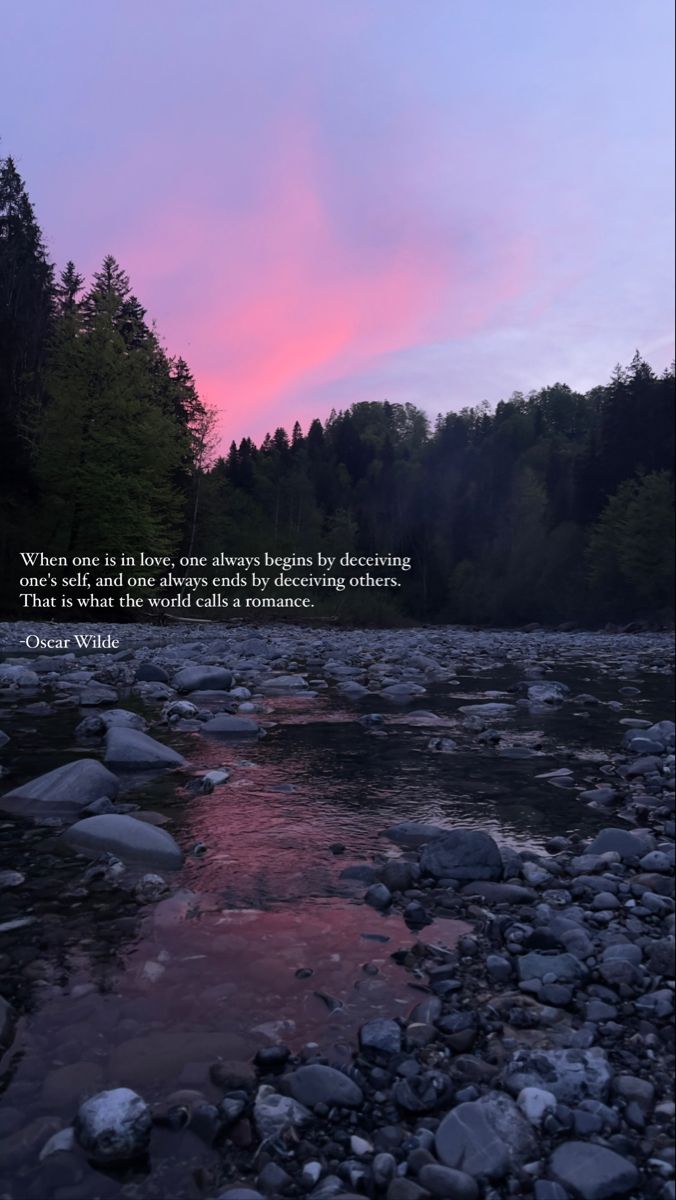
<point>593,1172</point>
<point>63,792</point>
<point>131,749</point>
<point>628,845</point>
<point>462,854</point>
<point>130,839</point>
<point>318,1084</point>
<point>193,679</point>
<point>114,1126</point>
<point>486,1138</point>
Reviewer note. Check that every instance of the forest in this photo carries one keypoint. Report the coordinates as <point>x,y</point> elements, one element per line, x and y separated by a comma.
<point>552,507</point>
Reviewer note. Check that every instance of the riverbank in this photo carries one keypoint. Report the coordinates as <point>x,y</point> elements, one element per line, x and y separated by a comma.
<point>531,1054</point>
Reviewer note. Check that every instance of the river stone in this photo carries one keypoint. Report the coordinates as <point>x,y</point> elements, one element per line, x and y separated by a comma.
<point>381,1035</point>
<point>114,1126</point>
<point>63,791</point>
<point>149,672</point>
<point>274,1113</point>
<point>627,845</point>
<point>413,834</point>
<point>499,893</point>
<point>592,1171</point>
<point>448,1184</point>
<point>485,1137</point>
<point>318,1084</point>
<point>572,1075</point>
<point>193,679</point>
<point>130,748</point>
<point>130,839</point>
<point>225,725</point>
<point>487,710</point>
<point>547,693</point>
<point>462,854</point>
<point>566,967</point>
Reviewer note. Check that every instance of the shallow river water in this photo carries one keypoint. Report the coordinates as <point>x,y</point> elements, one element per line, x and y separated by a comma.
<point>261,940</point>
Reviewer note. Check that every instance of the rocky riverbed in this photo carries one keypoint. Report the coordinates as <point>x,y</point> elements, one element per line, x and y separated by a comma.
<point>292,912</point>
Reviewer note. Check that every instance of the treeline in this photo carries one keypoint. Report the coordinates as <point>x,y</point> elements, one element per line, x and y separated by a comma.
<point>555,507</point>
<point>102,433</point>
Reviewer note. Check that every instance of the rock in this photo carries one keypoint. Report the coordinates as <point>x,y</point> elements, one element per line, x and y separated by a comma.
<point>380,1035</point>
<point>11,879</point>
<point>283,683</point>
<point>535,1103</point>
<point>565,968</point>
<point>7,1023</point>
<point>413,834</point>
<point>462,854</point>
<point>621,841</point>
<point>318,1084</point>
<point>18,677</point>
<point>397,875</point>
<point>65,1086</point>
<point>193,679</point>
<point>485,1138</point>
<point>499,893</point>
<point>547,693</point>
<point>572,1075</point>
<point>274,1113</point>
<point>378,896</point>
<point>448,1184</point>
<point>227,726</point>
<point>593,1172</point>
<point>62,792</point>
<point>130,839</point>
<point>149,672</point>
<point>487,710</point>
<point>114,1126</point>
<point>64,1141</point>
<point>130,748</point>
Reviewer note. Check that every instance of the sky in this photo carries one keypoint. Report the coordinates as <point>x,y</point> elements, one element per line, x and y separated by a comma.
<point>321,202</point>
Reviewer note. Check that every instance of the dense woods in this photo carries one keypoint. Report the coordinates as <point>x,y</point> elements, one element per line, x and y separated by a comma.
<point>556,506</point>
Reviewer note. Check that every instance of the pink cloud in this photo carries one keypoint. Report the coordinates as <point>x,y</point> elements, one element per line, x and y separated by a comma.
<point>267,302</point>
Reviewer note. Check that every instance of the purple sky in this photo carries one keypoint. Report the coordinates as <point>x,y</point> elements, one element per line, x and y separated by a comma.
<point>326,201</point>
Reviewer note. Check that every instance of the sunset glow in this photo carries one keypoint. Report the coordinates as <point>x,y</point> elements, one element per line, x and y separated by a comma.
<point>325,203</point>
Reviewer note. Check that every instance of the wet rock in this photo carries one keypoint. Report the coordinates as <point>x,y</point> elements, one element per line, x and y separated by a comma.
<point>226,726</point>
<point>11,879</point>
<point>572,1075</point>
<point>380,1035</point>
<point>378,896</point>
<point>149,672</point>
<point>150,888</point>
<point>485,1137</point>
<point>114,1126</point>
<point>319,1084</point>
<point>397,875</point>
<point>448,1184</point>
<point>130,748</point>
<point>462,854</point>
<point>628,845</point>
<point>592,1171</point>
<point>62,792</point>
<point>193,679</point>
<point>499,893</point>
<point>413,834</point>
<point>130,839</point>
<point>274,1113</point>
